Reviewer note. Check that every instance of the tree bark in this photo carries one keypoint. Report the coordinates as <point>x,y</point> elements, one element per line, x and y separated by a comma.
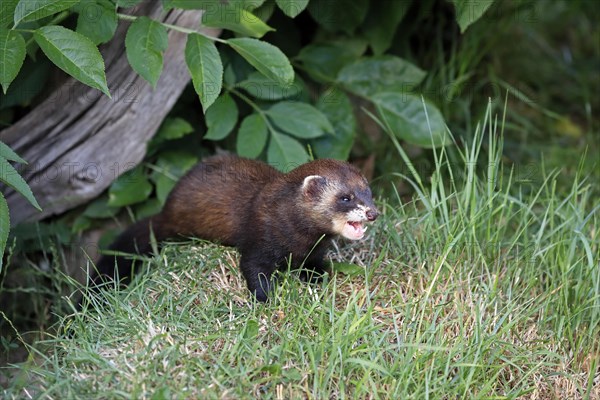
<point>77,141</point>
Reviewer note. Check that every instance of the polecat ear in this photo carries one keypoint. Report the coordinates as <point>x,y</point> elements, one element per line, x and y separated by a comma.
<point>313,185</point>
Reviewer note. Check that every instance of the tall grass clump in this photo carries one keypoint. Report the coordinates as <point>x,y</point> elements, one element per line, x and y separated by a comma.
<point>482,286</point>
<point>524,233</point>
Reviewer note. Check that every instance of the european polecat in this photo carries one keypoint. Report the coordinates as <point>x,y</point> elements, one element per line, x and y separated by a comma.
<point>272,218</point>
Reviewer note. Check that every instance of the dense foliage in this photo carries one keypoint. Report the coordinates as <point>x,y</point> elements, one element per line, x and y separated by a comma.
<point>244,82</point>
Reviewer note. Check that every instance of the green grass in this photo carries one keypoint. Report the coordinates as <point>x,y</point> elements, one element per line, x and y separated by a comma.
<point>482,287</point>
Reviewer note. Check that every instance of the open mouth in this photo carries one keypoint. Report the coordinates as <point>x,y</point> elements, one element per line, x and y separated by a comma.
<point>354,230</point>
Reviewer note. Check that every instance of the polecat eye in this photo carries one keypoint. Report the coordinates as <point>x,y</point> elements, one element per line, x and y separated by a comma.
<point>346,198</point>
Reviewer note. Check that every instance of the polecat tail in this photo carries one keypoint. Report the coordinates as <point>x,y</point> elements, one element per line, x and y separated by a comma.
<point>137,239</point>
<point>134,240</point>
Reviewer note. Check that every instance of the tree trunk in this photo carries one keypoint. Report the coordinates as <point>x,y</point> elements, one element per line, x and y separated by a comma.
<point>77,141</point>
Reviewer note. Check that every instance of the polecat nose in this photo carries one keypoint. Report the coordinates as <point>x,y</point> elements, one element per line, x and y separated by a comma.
<point>372,215</point>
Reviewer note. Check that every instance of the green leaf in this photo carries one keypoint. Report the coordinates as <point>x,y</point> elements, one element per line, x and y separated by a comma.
<point>188,4</point>
<point>8,12</point>
<point>382,21</point>
<point>108,237</point>
<point>264,88</point>
<point>164,185</point>
<point>32,47</point>
<point>4,227</point>
<point>323,61</point>
<point>99,208</point>
<point>209,4</point>
<point>221,118</point>
<point>239,69</point>
<point>80,224</point>
<point>468,11</point>
<point>9,154</point>
<point>206,69</point>
<point>285,153</point>
<point>98,21</point>
<point>229,75</point>
<point>405,115</point>
<point>12,55</point>
<point>266,58</point>
<point>348,268</point>
<point>173,128</point>
<point>235,18</point>
<point>265,11</point>
<point>171,166</point>
<point>28,10</point>
<point>130,188</point>
<point>73,53</point>
<point>127,3</point>
<point>148,208</point>
<point>145,42</point>
<point>10,176</point>
<point>299,119</point>
<point>252,136</point>
<point>292,8</point>
<point>371,75</point>
<point>339,15</point>
<point>249,4</point>
<point>336,106</point>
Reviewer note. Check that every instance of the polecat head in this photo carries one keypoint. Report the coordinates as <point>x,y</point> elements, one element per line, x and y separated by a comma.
<point>338,195</point>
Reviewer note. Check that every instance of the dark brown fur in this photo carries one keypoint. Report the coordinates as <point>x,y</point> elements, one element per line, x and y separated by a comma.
<point>272,218</point>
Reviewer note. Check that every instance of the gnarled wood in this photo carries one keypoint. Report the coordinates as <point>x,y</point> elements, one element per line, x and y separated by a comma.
<point>78,141</point>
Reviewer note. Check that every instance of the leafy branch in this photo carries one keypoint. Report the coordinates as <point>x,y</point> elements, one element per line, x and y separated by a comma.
<point>348,59</point>
<point>10,176</point>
